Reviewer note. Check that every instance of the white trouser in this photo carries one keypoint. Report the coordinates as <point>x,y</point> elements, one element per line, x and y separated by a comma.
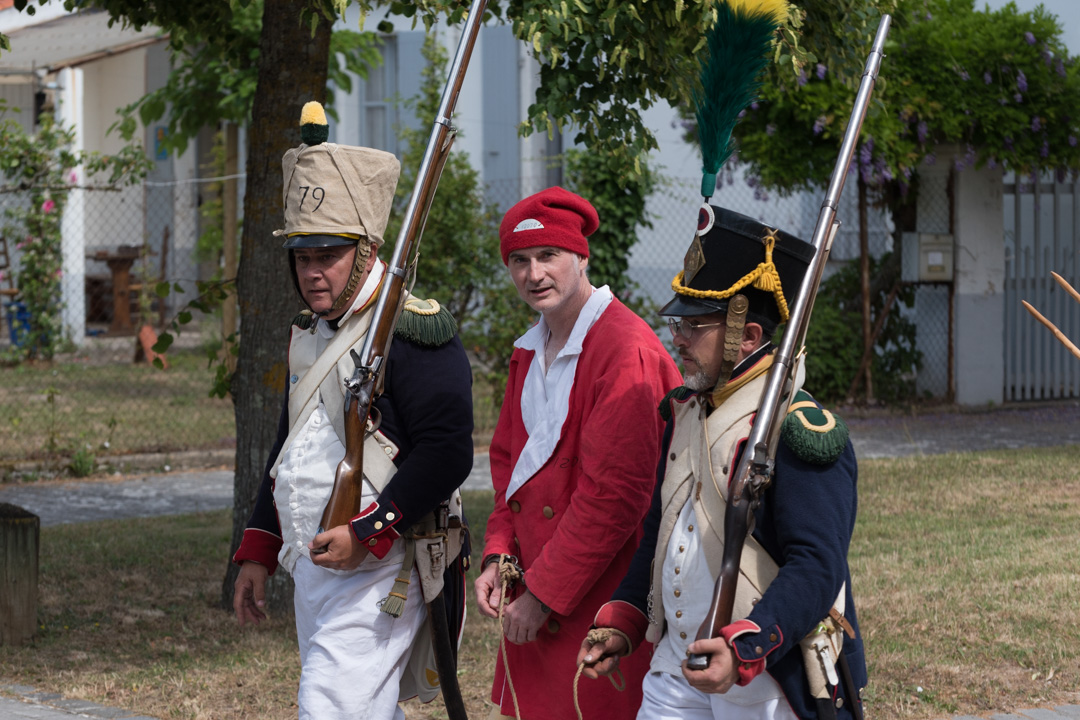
<point>671,698</point>
<point>352,656</point>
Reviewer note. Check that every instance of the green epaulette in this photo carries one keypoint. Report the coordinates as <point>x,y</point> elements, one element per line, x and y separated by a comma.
<point>678,395</point>
<point>304,320</point>
<point>812,432</point>
<point>426,322</point>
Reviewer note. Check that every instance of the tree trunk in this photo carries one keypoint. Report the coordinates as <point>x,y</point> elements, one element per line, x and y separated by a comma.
<point>864,278</point>
<point>20,531</point>
<point>292,70</point>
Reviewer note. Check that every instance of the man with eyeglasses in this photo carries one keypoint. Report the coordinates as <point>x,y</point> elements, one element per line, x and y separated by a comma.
<point>573,462</point>
<point>794,587</point>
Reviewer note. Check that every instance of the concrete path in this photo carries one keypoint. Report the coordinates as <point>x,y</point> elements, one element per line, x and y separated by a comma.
<point>874,435</point>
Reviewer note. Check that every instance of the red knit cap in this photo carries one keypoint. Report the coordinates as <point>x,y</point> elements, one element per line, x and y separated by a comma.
<point>554,217</point>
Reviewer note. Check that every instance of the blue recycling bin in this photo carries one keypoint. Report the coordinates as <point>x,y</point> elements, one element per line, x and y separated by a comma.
<point>18,320</point>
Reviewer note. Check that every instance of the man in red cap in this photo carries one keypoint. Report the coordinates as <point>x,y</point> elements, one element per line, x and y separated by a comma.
<point>573,464</point>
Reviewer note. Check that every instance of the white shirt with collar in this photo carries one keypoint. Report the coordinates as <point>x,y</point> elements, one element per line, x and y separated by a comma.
<point>545,395</point>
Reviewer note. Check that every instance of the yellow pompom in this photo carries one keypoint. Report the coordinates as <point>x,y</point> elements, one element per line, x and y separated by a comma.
<point>775,9</point>
<point>313,114</point>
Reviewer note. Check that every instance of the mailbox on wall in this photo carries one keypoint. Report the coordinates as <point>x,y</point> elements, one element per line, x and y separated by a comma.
<point>927,257</point>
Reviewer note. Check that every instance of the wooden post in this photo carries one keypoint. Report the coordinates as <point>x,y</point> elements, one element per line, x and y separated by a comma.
<point>19,533</point>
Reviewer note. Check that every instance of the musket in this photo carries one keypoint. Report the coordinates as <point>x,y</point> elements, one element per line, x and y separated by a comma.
<point>365,385</point>
<point>754,471</point>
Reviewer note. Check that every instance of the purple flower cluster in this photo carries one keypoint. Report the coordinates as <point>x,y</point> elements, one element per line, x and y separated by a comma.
<point>1029,37</point>
<point>987,78</point>
<point>922,131</point>
<point>1036,124</point>
<point>802,77</point>
<point>1021,81</point>
<point>819,124</point>
<point>820,71</point>
<point>1072,141</point>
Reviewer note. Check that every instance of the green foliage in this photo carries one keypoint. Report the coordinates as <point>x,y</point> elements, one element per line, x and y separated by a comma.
<point>999,84</point>
<point>604,61</point>
<point>618,193</point>
<point>214,77</point>
<point>39,166</point>
<point>460,264</point>
<point>83,462</point>
<point>834,340</point>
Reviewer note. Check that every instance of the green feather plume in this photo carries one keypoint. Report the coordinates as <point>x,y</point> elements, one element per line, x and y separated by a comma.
<point>738,50</point>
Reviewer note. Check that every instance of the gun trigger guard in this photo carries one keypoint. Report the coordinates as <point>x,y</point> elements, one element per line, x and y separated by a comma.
<point>374,421</point>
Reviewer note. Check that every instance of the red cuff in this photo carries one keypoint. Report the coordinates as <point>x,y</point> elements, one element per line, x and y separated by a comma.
<point>748,668</point>
<point>624,617</point>
<point>261,547</point>
<point>374,529</point>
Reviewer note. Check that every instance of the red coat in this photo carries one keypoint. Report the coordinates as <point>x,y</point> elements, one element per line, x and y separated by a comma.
<point>576,524</point>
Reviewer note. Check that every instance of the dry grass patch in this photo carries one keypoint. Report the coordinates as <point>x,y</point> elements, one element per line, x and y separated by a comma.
<point>966,569</point>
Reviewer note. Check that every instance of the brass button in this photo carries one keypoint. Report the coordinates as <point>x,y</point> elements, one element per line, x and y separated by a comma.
<point>678,613</point>
<point>378,524</point>
<point>678,593</point>
<point>690,529</point>
<point>672,456</point>
<point>693,403</point>
<point>515,506</point>
<point>724,470</point>
<point>390,516</point>
<point>682,548</point>
<point>772,637</point>
<point>372,542</point>
<point>548,512</point>
<point>677,571</point>
<point>390,451</point>
<point>553,626</point>
<point>755,601</point>
<point>759,650</point>
<point>682,635</point>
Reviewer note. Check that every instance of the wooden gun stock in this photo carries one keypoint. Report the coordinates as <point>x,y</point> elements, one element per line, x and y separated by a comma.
<point>344,501</point>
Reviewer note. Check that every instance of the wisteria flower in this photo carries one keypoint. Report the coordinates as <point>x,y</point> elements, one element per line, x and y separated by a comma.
<point>1044,151</point>
<point>48,206</point>
<point>1029,37</point>
<point>922,131</point>
<point>930,159</point>
<point>1008,143</point>
<point>1036,124</point>
<point>1018,97</point>
<point>987,78</point>
<point>964,75</point>
<point>819,124</point>
<point>1061,67</point>
<point>991,164</point>
<point>959,164</point>
<point>1072,141</point>
<point>1021,81</point>
<point>820,71</point>
<point>770,129</point>
<point>802,78</point>
<point>754,105</point>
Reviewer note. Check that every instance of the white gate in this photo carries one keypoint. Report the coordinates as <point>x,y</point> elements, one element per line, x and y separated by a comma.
<point>1042,231</point>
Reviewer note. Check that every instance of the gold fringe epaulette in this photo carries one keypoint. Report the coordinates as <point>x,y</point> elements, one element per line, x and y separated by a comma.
<point>813,433</point>
<point>426,322</point>
<point>678,395</point>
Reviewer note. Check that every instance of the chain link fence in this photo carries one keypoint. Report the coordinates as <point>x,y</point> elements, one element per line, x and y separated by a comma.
<point>100,397</point>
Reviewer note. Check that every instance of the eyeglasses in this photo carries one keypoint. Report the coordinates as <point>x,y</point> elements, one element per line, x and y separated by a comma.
<point>680,326</point>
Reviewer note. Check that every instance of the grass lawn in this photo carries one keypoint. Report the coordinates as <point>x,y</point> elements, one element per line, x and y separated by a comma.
<point>966,571</point>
